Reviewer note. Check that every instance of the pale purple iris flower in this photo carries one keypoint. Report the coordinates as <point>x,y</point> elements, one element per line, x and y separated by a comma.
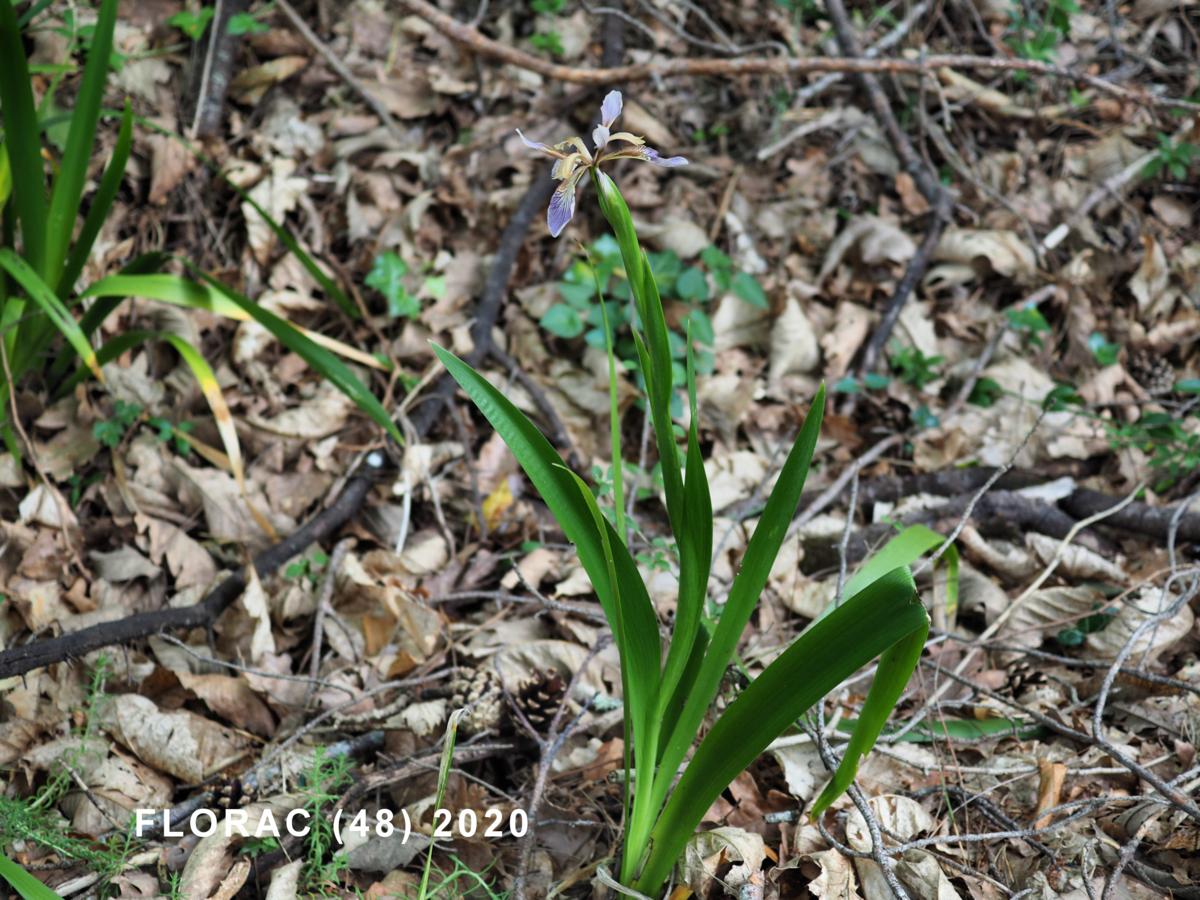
<point>572,159</point>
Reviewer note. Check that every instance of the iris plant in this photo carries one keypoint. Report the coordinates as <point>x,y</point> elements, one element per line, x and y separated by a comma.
<point>669,686</point>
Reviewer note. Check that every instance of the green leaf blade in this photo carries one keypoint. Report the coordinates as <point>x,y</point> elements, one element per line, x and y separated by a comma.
<point>760,556</point>
<point>21,138</point>
<point>42,296</point>
<point>886,614</point>
<point>72,173</point>
<point>110,183</point>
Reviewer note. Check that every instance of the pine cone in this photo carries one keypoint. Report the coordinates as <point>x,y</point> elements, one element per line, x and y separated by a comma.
<point>1151,370</point>
<point>540,697</point>
<point>479,691</point>
<point>1023,677</point>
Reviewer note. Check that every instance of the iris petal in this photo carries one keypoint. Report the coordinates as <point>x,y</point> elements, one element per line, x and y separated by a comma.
<point>537,145</point>
<point>610,108</point>
<point>600,137</point>
<point>650,155</point>
<point>562,204</point>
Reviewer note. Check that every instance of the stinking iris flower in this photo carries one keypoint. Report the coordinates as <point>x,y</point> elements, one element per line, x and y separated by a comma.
<point>572,158</point>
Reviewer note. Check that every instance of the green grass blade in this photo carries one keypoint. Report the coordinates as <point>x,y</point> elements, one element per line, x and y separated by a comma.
<point>442,781</point>
<point>654,352</point>
<point>102,201</point>
<point>896,664</point>
<point>72,172</point>
<point>41,295</point>
<point>207,380</point>
<point>639,646</point>
<point>747,586</point>
<point>6,183</point>
<point>21,881</point>
<point>165,288</point>
<point>21,137</point>
<point>614,417</point>
<point>109,351</point>
<point>322,361</point>
<point>556,486</point>
<point>695,556</point>
<point>293,246</point>
<point>900,550</point>
<point>886,613</point>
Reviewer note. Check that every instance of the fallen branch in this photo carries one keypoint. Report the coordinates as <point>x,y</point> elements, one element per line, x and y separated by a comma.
<point>19,660</point>
<point>733,68</point>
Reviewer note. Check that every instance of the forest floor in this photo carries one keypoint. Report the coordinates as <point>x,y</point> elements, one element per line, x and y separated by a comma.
<point>994,270</point>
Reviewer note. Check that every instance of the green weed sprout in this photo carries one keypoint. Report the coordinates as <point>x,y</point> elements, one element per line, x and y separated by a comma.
<point>666,700</point>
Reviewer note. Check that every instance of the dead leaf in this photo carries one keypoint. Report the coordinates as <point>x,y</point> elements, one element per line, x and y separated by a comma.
<point>233,699</point>
<point>876,241</point>
<point>793,343</point>
<point>254,601</point>
<point>708,850</point>
<point>180,743</point>
<point>1132,613</point>
<point>278,194</point>
<point>1150,282</point>
<point>123,564</point>
<point>1002,251</point>
<point>249,85</point>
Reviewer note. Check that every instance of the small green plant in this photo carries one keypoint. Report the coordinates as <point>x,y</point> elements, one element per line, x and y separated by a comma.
<point>547,42</point>
<point>1077,633</point>
<point>243,23</point>
<point>667,699</point>
<point>548,7</point>
<point>388,276</point>
<point>308,567</point>
<point>192,22</point>
<point>323,780</point>
<point>111,431</point>
<point>1035,32</point>
<point>914,367</point>
<point>1175,157</point>
<point>1104,351</point>
<point>36,819</point>
<point>257,846</point>
<point>1028,322</point>
<point>601,273</point>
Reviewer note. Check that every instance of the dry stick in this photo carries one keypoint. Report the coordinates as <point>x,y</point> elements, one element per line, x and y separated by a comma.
<point>940,201</point>
<point>822,84</point>
<point>879,853</point>
<point>217,71</point>
<point>203,614</point>
<point>1179,798</point>
<point>341,69</point>
<point>1170,794</point>
<point>733,68</point>
<point>331,572</point>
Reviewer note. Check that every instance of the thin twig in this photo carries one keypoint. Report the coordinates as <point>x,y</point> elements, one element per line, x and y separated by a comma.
<point>323,599</point>
<point>735,68</point>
